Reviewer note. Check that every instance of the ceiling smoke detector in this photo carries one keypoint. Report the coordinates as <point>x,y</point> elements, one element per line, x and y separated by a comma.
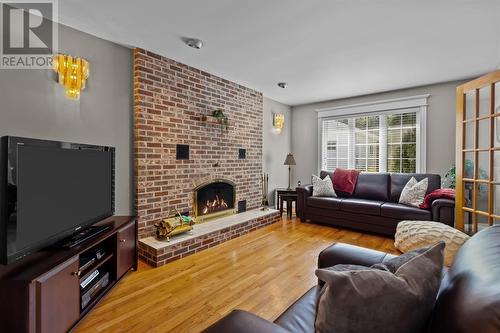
<point>195,43</point>
<point>282,84</point>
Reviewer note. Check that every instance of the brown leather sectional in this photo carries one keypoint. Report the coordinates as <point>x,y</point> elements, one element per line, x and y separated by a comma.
<point>373,207</point>
<point>468,300</point>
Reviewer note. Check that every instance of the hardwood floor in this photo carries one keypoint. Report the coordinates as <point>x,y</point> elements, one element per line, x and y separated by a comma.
<point>262,272</point>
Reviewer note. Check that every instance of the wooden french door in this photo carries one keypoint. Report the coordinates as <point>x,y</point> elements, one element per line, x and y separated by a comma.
<point>478,153</point>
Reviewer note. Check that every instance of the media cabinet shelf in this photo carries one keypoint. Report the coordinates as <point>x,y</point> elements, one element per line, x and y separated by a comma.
<point>85,273</point>
<point>42,294</point>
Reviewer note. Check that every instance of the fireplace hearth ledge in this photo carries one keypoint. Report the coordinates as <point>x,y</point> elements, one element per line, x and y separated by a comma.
<point>204,235</point>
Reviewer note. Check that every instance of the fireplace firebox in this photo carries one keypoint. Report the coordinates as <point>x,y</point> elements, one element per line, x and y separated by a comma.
<point>214,198</point>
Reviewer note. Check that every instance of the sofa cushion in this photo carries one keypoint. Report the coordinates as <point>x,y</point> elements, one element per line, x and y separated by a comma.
<point>399,180</point>
<point>362,206</point>
<point>398,211</point>
<point>299,318</point>
<point>324,202</point>
<point>372,186</point>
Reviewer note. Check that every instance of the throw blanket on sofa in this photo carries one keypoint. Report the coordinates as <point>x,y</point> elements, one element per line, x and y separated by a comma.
<point>344,180</point>
<point>442,193</point>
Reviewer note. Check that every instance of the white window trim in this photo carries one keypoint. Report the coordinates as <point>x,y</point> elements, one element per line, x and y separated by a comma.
<point>418,103</point>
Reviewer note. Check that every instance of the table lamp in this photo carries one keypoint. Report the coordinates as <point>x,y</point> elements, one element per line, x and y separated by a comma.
<point>289,160</point>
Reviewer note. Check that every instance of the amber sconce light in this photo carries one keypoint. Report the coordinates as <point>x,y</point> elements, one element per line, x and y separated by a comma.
<point>72,73</point>
<point>278,121</point>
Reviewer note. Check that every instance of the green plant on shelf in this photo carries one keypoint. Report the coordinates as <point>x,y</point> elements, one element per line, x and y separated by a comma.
<point>221,118</point>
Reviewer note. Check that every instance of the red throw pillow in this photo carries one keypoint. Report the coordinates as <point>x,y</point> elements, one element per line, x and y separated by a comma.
<point>442,193</point>
<point>344,180</point>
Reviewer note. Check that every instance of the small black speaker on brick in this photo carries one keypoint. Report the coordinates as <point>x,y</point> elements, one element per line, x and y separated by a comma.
<point>242,206</point>
<point>182,152</point>
<point>242,153</point>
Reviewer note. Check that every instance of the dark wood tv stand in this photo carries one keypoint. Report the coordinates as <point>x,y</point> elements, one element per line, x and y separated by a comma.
<point>41,293</point>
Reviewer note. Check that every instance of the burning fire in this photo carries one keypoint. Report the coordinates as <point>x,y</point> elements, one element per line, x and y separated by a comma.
<point>215,205</point>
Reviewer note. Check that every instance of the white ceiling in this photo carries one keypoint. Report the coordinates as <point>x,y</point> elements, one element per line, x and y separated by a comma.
<point>324,50</point>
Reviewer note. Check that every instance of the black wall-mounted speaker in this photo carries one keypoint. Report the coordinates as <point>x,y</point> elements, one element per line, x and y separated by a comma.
<point>182,152</point>
<point>242,153</point>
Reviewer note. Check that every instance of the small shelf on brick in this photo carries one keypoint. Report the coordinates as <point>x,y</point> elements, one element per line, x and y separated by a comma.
<point>214,121</point>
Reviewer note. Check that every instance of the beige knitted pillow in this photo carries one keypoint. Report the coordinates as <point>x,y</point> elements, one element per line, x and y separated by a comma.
<point>413,193</point>
<point>323,187</point>
<point>411,235</point>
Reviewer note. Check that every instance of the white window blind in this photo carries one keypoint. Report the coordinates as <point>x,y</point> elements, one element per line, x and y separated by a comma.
<point>382,142</point>
<point>336,144</point>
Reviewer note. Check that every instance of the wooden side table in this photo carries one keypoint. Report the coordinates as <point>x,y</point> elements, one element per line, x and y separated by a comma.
<point>287,195</point>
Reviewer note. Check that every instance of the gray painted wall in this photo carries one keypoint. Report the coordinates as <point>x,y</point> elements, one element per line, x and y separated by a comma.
<point>440,128</point>
<point>276,146</point>
<point>34,105</point>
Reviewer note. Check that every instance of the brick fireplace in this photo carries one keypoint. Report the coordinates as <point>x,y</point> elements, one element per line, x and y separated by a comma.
<point>173,104</point>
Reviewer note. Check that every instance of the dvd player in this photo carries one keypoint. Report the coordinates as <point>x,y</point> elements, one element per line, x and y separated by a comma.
<point>92,292</point>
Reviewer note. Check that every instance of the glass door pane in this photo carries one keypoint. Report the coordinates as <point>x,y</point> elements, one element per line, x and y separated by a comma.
<point>496,131</point>
<point>484,134</point>
<point>469,130</point>
<point>497,97</point>
<point>482,222</point>
<point>485,101</point>
<point>496,200</point>
<point>483,165</point>
<point>482,197</point>
<point>470,105</point>
<point>468,222</point>
<point>469,165</point>
<point>468,191</point>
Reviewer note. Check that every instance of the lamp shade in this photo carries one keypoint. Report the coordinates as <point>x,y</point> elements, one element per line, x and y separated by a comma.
<point>289,160</point>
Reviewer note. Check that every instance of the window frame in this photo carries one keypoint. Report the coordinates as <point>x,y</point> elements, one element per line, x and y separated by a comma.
<point>417,104</point>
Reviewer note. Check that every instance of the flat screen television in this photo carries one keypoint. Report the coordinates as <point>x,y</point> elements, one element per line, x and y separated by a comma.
<point>49,190</point>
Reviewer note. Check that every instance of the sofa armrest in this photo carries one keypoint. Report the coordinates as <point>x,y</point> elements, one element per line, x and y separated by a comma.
<point>303,192</point>
<point>306,189</point>
<point>340,253</point>
<point>239,321</point>
<point>443,210</point>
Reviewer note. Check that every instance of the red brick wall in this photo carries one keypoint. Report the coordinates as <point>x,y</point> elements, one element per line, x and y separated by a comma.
<point>170,100</point>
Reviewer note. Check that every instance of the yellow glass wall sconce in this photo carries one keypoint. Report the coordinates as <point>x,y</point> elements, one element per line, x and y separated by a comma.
<point>72,73</point>
<point>278,121</point>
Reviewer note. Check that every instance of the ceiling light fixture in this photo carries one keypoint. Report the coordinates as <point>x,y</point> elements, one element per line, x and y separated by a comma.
<point>195,43</point>
<point>282,85</point>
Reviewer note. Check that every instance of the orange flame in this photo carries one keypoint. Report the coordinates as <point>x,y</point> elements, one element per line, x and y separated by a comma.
<point>215,205</point>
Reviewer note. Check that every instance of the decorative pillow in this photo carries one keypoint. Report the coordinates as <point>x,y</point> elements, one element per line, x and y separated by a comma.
<point>322,187</point>
<point>344,180</point>
<point>411,235</point>
<point>440,193</point>
<point>379,301</point>
<point>413,193</point>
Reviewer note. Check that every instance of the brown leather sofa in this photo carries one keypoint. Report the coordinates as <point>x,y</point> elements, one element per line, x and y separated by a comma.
<point>468,300</point>
<point>373,207</point>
